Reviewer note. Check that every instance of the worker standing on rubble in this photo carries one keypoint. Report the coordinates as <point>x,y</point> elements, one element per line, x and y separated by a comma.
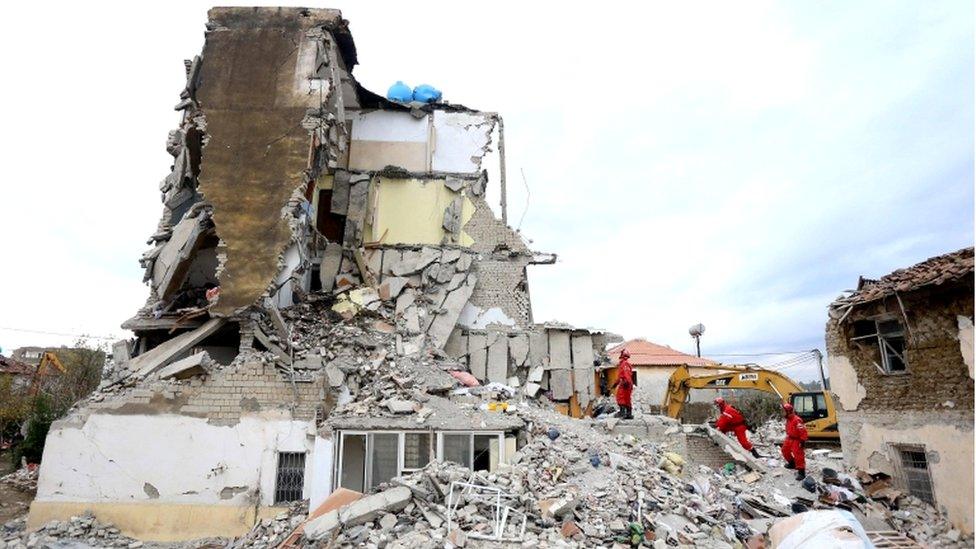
<point>796,435</point>
<point>625,386</point>
<point>730,419</point>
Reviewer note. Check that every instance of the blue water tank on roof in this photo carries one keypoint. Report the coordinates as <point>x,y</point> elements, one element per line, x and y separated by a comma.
<point>400,93</point>
<point>425,93</point>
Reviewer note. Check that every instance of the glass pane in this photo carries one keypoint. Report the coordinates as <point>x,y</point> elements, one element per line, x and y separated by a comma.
<point>482,451</point>
<point>821,403</point>
<point>353,474</point>
<point>384,453</point>
<point>416,450</point>
<point>803,404</point>
<point>457,448</point>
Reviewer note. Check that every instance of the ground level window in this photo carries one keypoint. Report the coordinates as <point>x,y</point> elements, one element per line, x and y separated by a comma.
<point>290,478</point>
<point>480,452</point>
<point>915,472</point>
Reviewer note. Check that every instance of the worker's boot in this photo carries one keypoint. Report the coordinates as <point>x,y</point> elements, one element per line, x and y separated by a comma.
<point>755,454</point>
<point>801,474</point>
<point>630,412</point>
<point>620,412</point>
<point>790,465</point>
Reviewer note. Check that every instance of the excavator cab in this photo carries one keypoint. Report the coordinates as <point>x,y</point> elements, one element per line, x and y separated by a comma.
<point>810,406</point>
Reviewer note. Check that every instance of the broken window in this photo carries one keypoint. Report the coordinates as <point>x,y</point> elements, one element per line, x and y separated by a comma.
<point>291,477</point>
<point>915,471</point>
<point>888,338</point>
<point>384,456</point>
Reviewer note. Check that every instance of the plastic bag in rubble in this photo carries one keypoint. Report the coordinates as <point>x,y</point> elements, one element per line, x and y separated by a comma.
<point>815,529</point>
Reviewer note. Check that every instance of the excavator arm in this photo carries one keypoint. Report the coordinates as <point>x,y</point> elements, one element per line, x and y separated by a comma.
<point>816,408</point>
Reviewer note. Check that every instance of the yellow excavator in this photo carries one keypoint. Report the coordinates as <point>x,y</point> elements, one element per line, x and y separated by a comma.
<point>48,360</point>
<point>816,408</point>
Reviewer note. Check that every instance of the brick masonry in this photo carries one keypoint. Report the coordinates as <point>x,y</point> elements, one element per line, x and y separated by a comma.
<point>223,396</point>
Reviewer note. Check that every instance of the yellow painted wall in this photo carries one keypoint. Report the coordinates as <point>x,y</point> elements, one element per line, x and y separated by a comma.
<point>411,211</point>
<point>157,521</point>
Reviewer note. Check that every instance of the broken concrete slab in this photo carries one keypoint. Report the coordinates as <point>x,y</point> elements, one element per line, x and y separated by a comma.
<point>561,384</point>
<point>518,346</point>
<point>582,346</point>
<point>538,349</point>
<point>497,357</point>
<point>169,351</point>
<point>270,345</point>
<point>443,323</point>
<point>335,375</point>
<point>172,264</point>
<point>391,287</point>
<point>329,268</point>
<point>478,355</point>
<point>371,507</point>
<point>398,406</point>
<point>734,450</point>
<point>322,526</point>
<point>457,344</point>
<point>559,350</point>
<point>340,192</point>
<point>190,366</point>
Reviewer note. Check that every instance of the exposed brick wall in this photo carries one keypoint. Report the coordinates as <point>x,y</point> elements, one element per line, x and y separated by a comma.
<point>503,284</point>
<point>936,371</point>
<point>223,396</point>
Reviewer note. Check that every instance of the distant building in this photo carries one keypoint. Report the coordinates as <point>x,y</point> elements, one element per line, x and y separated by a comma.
<point>900,353</point>
<point>654,365</point>
<point>19,372</point>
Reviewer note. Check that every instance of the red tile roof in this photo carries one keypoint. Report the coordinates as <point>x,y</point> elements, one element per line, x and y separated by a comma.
<point>933,271</point>
<point>645,353</point>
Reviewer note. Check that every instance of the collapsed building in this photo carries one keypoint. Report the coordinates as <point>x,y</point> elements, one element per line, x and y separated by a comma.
<point>900,354</point>
<point>330,291</point>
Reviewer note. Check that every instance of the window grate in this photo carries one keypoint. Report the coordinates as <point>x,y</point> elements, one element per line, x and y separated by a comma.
<point>915,470</point>
<point>291,477</point>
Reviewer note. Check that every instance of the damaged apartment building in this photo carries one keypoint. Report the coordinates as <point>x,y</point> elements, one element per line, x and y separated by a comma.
<point>900,353</point>
<point>330,293</point>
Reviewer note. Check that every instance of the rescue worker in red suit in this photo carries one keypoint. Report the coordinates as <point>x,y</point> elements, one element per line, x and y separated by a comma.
<point>625,386</point>
<point>796,435</point>
<point>730,419</point>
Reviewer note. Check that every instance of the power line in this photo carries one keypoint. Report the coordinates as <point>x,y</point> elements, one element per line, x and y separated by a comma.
<point>109,338</point>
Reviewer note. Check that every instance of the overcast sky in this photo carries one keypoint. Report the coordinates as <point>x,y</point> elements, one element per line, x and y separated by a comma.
<point>735,164</point>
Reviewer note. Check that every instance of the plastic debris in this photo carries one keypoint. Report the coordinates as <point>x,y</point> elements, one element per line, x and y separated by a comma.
<point>400,92</point>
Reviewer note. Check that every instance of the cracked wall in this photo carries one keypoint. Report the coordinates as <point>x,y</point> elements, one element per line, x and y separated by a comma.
<point>931,404</point>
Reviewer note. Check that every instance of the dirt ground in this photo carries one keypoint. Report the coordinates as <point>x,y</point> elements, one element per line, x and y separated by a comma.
<point>13,502</point>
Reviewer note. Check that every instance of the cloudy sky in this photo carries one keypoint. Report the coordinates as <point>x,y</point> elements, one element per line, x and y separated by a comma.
<point>735,164</point>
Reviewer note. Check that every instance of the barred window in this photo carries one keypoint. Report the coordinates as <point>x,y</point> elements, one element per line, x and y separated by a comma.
<point>915,472</point>
<point>291,477</point>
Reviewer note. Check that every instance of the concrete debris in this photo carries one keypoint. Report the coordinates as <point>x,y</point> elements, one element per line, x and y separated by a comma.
<point>190,366</point>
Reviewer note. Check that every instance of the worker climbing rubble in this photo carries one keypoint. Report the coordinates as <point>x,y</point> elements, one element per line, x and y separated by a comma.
<point>730,419</point>
<point>625,386</point>
<point>796,435</point>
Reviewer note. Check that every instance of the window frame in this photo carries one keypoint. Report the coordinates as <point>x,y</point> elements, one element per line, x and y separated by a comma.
<point>436,450</point>
<point>278,471</point>
<point>884,347</point>
<point>899,450</point>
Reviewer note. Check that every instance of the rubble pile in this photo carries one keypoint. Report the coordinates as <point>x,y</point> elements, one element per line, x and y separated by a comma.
<point>84,531</point>
<point>570,484</point>
<point>271,532</point>
<point>23,479</point>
